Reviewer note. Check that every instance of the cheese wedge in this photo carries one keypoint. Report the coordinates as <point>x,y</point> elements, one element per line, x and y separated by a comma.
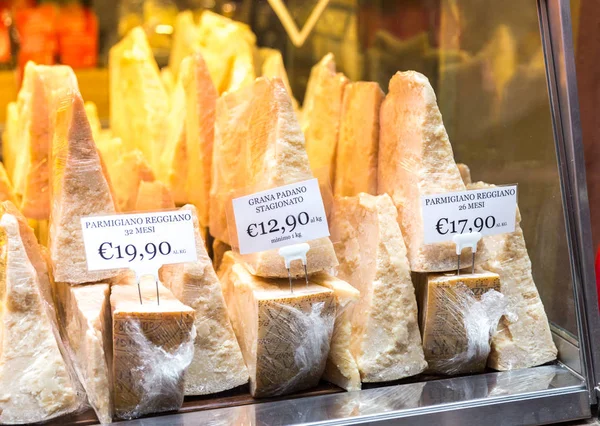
<point>285,337</point>
<point>341,368</point>
<point>153,196</point>
<point>271,65</point>
<point>523,338</point>
<point>152,348</point>
<point>186,40</point>
<point>321,116</point>
<point>139,103</point>
<point>456,330</point>
<point>218,249</point>
<point>126,185</point>
<point>218,364</point>
<point>412,130</point>
<point>359,133</point>
<point>7,192</point>
<point>465,173</point>
<point>201,99</point>
<point>37,383</point>
<point>92,114</point>
<point>84,312</point>
<point>10,145</point>
<point>386,342</point>
<point>259,145</point>
<point>79,188</point>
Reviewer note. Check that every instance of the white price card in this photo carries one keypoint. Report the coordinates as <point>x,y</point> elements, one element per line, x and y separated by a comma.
<point>139,241</point>
<point>279,217</point>
<point>489,211</point>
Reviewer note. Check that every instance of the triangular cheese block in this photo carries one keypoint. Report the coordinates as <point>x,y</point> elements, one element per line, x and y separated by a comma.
<point>373,259</point>
<point>139,103</point>
<point>321,115</point>
<point>201,99</point>
<point>271,65</point>
<point>218,364</point>
<point>153,196</point>
<point>259,145</point>
<point>37,383</point>
<point>358,144</point>
<point>415,159</point>
<point>79,188</point>
<point>126,184</point>
<point>9,138</point>
<point>7,192</point>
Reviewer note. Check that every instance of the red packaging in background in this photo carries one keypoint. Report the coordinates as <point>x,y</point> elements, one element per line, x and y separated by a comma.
<point>78,37</point>
<point>36,28</point>
<point>4,36</point>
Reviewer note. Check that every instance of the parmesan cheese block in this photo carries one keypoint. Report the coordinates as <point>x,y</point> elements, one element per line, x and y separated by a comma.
<point>152,348</point>
<point>271,65</point>
<point>79,188</point>
<point>153,196</point>
<point>523,338</point>
<point>449,347</point>
<point>465,173</point>
<point>126,185</point>
<point>218,249</point>
<point>285,337</point>
<point>139,103</point>
<point>36,382</point>
<point>201,98</point>
<point>10,145</point>
<point>341,368</point>
<point>218,364</point>
<point>412,131</point>
<point>85,317</point>
<point>321,116</point>
<point>359,133</point>
<point>7,192</point>
<point>259,145</point>
<point>386,342</point>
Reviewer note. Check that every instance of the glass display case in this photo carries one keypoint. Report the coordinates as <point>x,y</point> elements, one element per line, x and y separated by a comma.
<point>504,79</point>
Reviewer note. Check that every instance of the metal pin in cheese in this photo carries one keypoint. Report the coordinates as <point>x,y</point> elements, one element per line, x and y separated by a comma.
<point>386,342</point>
<point>153,345</point>
<point>415,159</point>
<point>285,337</point>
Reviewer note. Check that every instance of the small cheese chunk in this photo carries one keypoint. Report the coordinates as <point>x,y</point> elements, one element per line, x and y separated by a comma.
<point>84,312</point>
<point>465,173</point>
<point>321,116</point>
<point>386,342</point>
<point>36,383</point>
<point>126,185</point>
<point>152,348</point>
<point>218,364</point>
<point>341,368</point>
<point>79,188</point>
<point>285,337</point>
<point>359,133</point>
<point>412,131</point>
<point>153,196</point>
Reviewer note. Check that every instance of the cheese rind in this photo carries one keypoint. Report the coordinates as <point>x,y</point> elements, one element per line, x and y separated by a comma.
<point>412,131</point>
<point>386,342</point>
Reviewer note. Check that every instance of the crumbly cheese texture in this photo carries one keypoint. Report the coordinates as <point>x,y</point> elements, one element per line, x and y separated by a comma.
<point>259,145</point>
<point>285,337</point>
<point>523,338</point>
<point>386,341</point>
<point>200,103</point>
<point>321,115</point>
<point>218,364</point>
<point>126,185</point>
<point>36,383</point>
<point>359,133</point>
<point>153,196</point>
<point>84,313</point>
<point>79,188</point>
<point>152,348</point>
<point>412,131</point>
<point>341,368</point>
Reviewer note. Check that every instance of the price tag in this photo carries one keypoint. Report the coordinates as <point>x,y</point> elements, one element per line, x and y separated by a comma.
<point>141,241</point>
<point>279,217</point>
<point>489,211</point>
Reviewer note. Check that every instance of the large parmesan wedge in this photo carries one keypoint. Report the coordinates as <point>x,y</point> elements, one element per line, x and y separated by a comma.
<point>285,337</point>
<point>126,184</point>
<point>79,188</point>
<point>259,145</point>
<point>7,192</point>
<point>523,338</point>
<point>386,342</point>
<point>271,65</point>
<point>415,159</point>
<point>153,196</point>
<point>218,364</point>
<point>10,146</point>
<point>139,103</point>
<point>321,115</point>
<point>152,348</point>
<point>341,368</point>
<point>84,312</point>
<point>358,144</point>
<point>201,99</point>
<point>36,382</point>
